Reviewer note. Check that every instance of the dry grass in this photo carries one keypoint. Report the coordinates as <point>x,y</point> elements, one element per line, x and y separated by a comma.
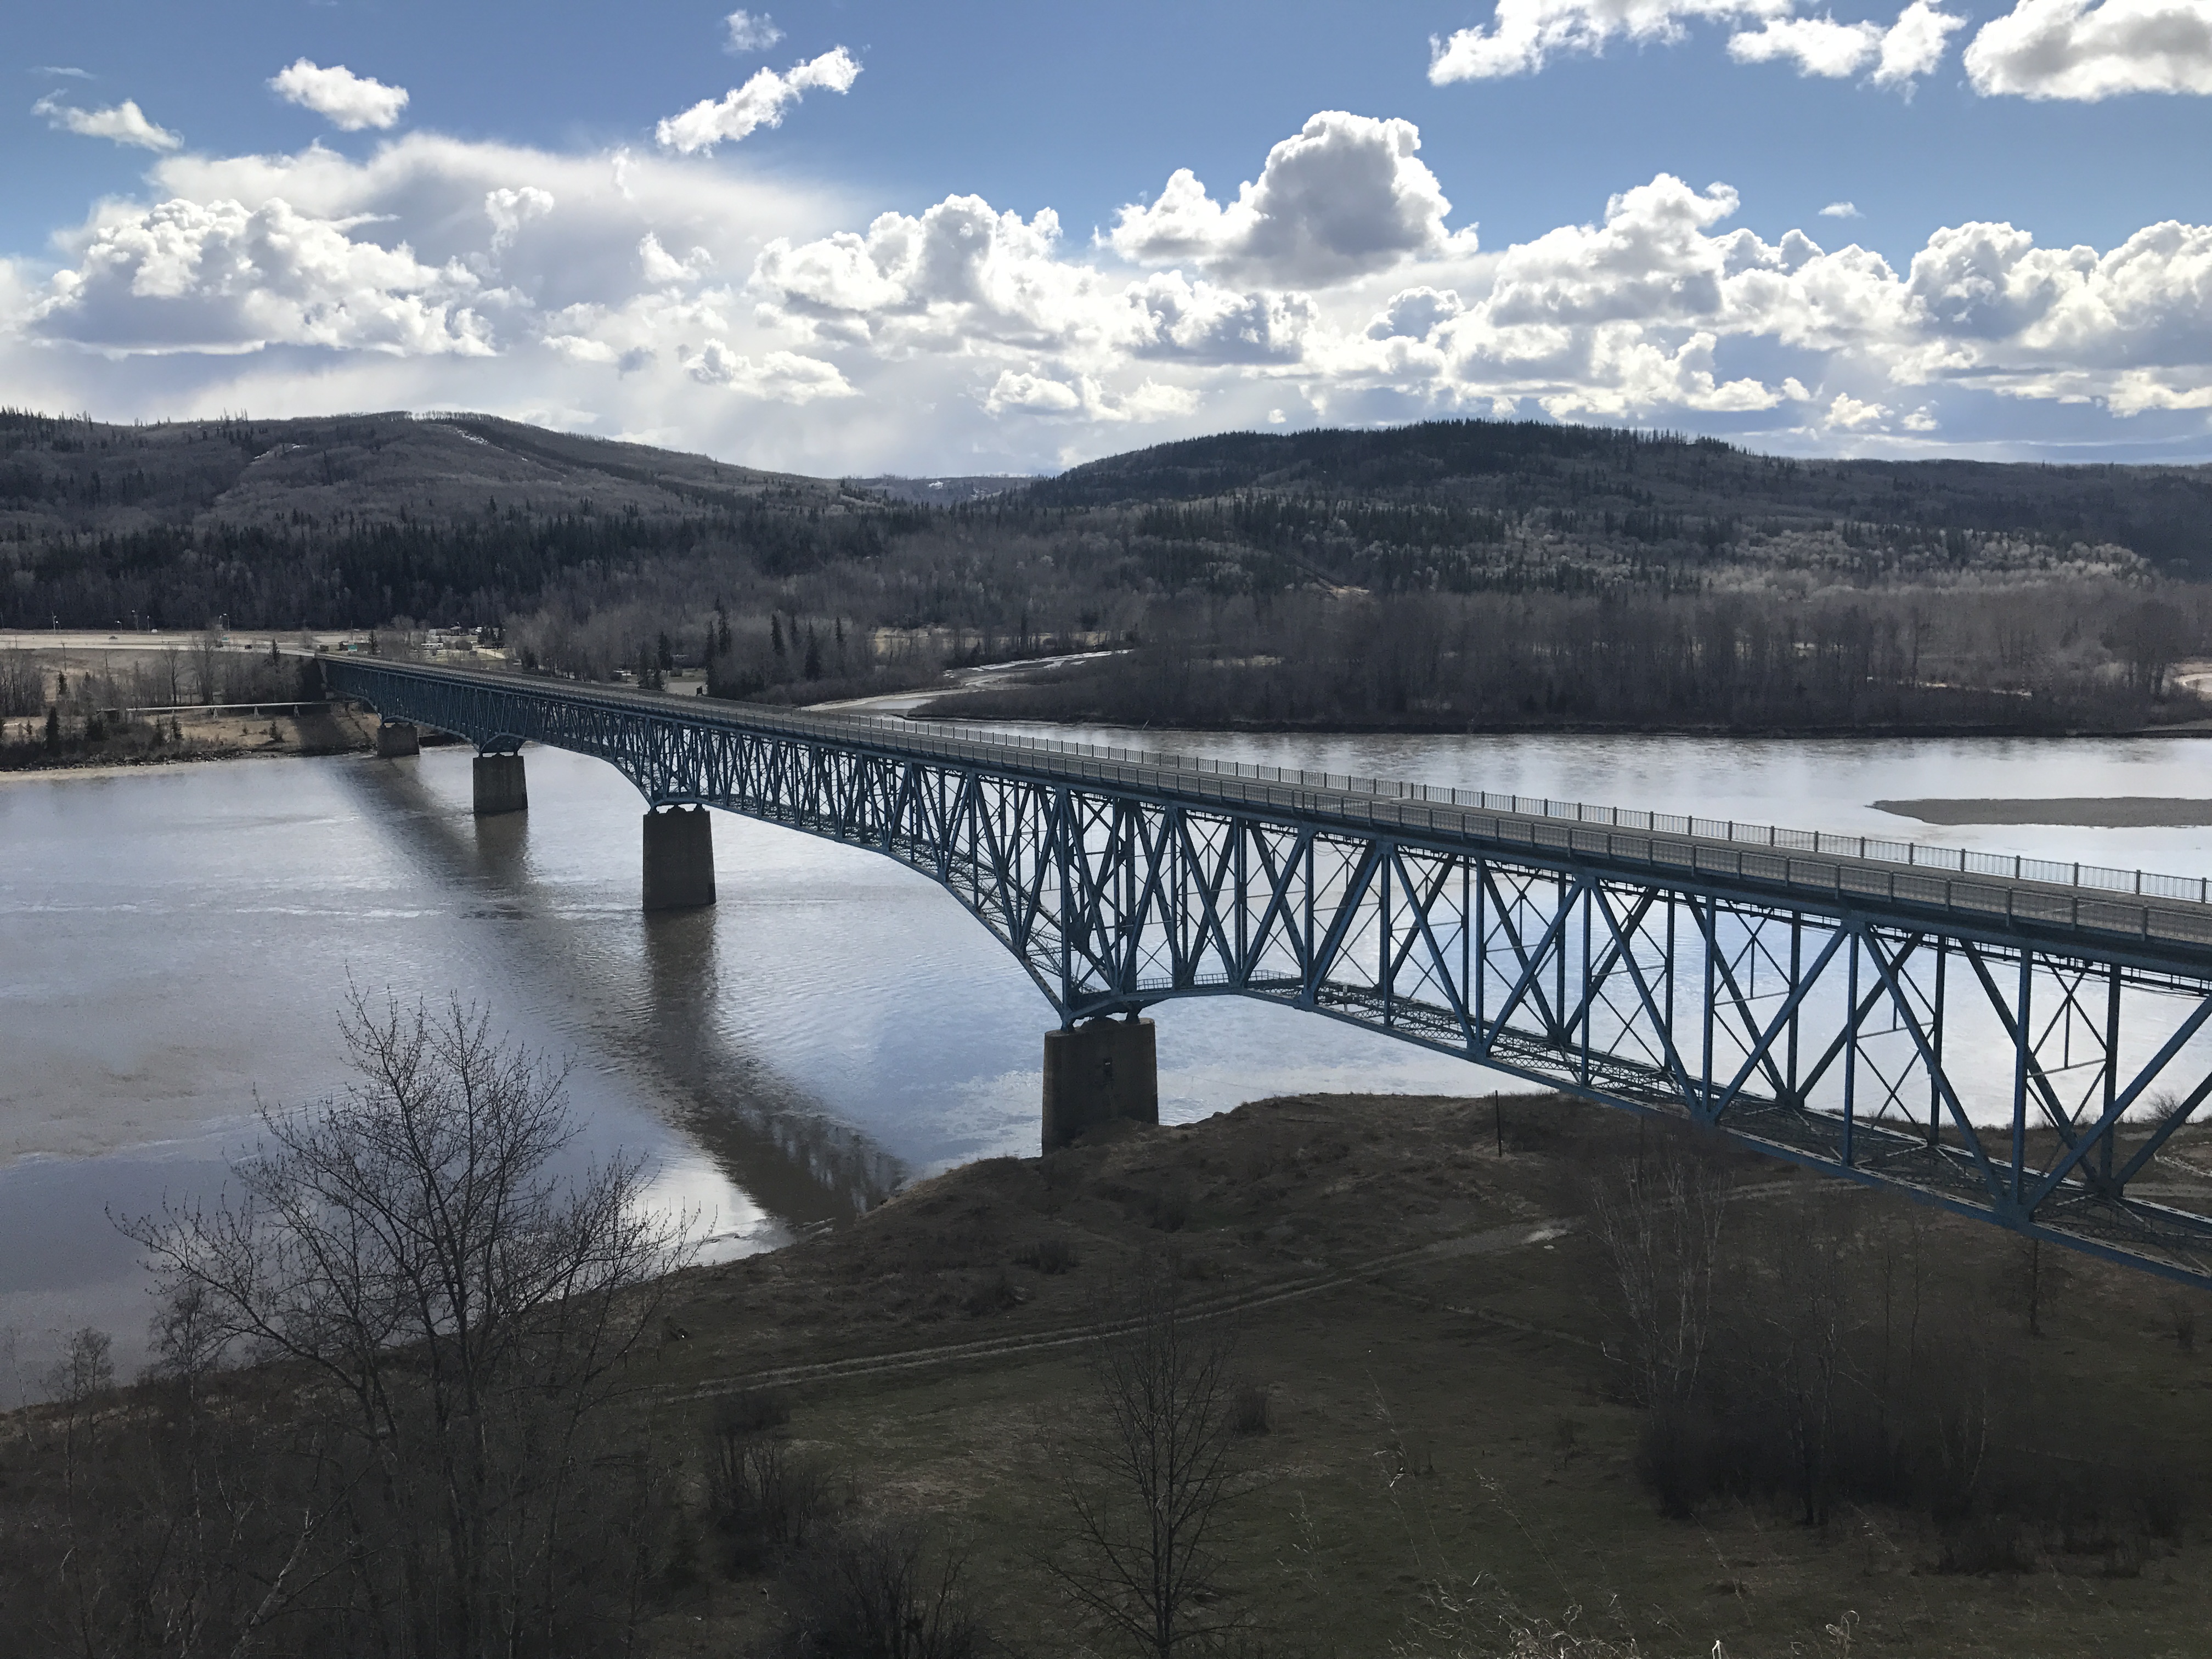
<point>1450,1459</point>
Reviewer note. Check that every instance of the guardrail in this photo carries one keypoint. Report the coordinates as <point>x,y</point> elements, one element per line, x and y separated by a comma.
<point>2011,888</point>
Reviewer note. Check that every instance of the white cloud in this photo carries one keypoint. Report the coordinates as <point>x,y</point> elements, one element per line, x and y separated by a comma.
<point>1019,391</point>
<point>663,269</point>
<point>1033,393</point>
<point>962,278</point>
<point>750,30</point>
<point>1819,45</point>
<point>510,209</point>
<point>2072,49</point>
<point>1415,314</point>
<point>1899,55</point>
<point>759,103</point>
<point>124,123</point>
<point>657,297</point>
<point>348,102</point>
<point>222,277</point>
<point>1346,196</point>
<point>1915,44</point>
<point>1848,414</point>
<point>1525,34</point>
<point>63,69</point>
<point>782,376</point>
<point>1842,210</point>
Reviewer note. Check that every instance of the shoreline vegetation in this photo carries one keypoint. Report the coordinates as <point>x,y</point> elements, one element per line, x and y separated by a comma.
<point>1460,1367</point>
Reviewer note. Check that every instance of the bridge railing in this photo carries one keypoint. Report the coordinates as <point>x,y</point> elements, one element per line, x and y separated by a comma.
<point>1874,849</point>
<point>1908,871</point>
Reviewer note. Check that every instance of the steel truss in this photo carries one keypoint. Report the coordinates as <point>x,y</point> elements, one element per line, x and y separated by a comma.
<point>2025,1073</point>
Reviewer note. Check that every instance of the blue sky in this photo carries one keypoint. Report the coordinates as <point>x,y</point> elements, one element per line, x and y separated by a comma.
<point>540,229</point>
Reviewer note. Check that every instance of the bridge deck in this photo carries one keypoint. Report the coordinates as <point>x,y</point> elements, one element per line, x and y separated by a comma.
<point>2162,919</point>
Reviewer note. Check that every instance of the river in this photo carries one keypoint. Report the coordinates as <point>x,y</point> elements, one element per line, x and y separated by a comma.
<point>176,941</point>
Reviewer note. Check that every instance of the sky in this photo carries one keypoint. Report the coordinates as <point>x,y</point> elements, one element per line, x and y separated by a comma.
<point>859,238</point>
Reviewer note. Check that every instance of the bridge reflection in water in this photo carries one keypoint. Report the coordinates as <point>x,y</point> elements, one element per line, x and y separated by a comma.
<point>2015,1040</point>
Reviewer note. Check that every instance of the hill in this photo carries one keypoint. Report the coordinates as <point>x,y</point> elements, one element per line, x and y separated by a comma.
<point>1450,574</point>
<point>357,518</point>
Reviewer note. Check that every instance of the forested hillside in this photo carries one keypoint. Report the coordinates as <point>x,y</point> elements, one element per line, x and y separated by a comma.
<point>1444,573</point>
<point>356,519</point>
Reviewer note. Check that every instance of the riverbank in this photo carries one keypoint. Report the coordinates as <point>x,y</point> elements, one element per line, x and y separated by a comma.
<point>187,737</point>
<point>1420,1301</point>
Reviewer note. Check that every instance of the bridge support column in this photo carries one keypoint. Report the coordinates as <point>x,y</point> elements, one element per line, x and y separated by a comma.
<point>1107,1069</point>
<point>501,787</point>
<point>679,859</point>
<point>396,738</point>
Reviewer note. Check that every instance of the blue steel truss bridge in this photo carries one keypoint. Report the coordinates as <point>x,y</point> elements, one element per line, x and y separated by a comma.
<point>2014,1040</point>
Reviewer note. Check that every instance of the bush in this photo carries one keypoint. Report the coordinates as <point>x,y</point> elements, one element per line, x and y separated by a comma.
<point>880,1590</point>
<point>1050,1255</point>
<point>993,1294</point>
<point>766,1500</point>
<point>1248,1411</point>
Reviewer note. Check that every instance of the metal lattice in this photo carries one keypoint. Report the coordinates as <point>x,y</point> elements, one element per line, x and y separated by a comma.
<point>2014,1050</point>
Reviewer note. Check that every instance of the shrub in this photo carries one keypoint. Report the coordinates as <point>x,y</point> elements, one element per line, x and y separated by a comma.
<point>881,1590</point>
<point>764,1498</point>
<point>1248,1411</point>
<point>1050,1255</point>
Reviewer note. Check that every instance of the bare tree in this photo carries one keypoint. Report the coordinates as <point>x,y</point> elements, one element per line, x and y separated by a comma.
<point>1660,1220</point>
<point>1145,1482</point>
<point>456,1316</point>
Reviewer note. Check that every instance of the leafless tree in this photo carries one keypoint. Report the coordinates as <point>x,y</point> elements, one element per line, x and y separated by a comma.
<point>1660,1218</point>
<point>455,1314</point>
<point>1146,1480</point>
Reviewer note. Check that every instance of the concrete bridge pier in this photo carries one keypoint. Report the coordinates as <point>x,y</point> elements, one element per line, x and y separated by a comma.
<point>679,859</point>
<point>501,787</point>
<point>396,738</point>
<point>1108,1068</point>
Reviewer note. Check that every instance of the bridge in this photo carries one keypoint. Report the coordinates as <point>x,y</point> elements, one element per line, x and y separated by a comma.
<point>2011,1039</point>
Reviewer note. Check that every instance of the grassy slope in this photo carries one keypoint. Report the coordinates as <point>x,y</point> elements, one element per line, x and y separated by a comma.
<point>1449,1418</point>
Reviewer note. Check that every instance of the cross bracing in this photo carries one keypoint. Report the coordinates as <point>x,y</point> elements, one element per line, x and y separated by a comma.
<point>2017,1049</point>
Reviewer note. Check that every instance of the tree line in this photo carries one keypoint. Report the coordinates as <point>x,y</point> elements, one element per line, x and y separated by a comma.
<point>2091,656</point>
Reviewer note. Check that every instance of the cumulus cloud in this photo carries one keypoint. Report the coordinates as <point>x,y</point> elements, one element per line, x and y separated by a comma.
<point>961,278</point>
<point>1898,55</point>
<point>759,103</point>
<point>1525,34</point>
<point>1848,414</point>
<point>1023,392</point>
<point>647,296</point>
<point>222,277</point>
<point>124,123</point>
<point>1347,196</point>
<point>348,102</point>
<point>510,209</point>
<point>2072,49</point>
<point>663,269</point>
<point>784,376</point>
<point>1915,44</point>
<point>750,30</point>
<point>1842,210</point>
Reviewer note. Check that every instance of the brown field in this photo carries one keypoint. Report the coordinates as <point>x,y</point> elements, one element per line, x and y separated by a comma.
<point>1436,1333</point>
